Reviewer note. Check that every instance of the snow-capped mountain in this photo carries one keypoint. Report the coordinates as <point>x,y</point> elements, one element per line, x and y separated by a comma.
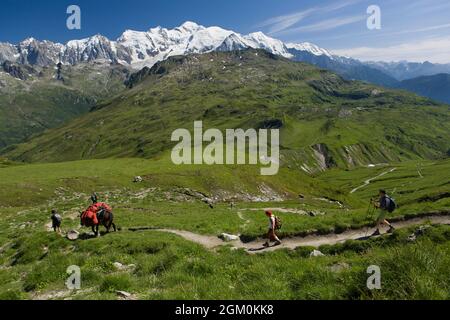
<point>259,40</point>
<point>138,49</point>
<point>309,47</point>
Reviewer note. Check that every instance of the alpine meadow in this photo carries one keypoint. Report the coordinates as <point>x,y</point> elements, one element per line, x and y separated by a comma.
<point>358,155</point>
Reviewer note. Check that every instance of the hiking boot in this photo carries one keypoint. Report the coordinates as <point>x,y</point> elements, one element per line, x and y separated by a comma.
<point>277,243</point>
<point>376,233</point>
<point>391,230</point>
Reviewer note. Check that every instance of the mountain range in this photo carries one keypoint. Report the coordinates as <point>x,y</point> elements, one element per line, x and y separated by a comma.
<point>138,49</point>
<point>435,86</point>
<point>44,84</point>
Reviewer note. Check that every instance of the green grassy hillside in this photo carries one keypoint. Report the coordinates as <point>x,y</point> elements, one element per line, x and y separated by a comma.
<point>40,101</point>
<point>158,265</point>
<point>321,115</point>
<point>331,130</point>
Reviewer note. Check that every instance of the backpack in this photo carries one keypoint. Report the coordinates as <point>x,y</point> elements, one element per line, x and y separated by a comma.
<point>56,217</point>
<point>391,205</point>
<point>278,223</point>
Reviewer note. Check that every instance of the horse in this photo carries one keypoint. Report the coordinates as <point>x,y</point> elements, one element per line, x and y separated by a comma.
<point>104,217</point>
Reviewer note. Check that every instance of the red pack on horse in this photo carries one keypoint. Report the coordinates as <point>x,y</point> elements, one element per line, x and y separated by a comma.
<point>98,213</point>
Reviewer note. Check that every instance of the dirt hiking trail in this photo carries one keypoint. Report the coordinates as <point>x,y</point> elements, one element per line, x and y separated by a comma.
<point>211,242</point>
<point>368,181</point>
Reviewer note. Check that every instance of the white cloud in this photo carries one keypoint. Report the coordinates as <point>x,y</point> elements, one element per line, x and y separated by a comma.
<point>435,50</point>
<point>427,6</point>
<point>326,24</point>
<point>282,23</point>
<point>425,29</point>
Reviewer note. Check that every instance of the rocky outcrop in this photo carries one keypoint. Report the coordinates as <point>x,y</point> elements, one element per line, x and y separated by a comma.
<point>8,52</point>
<point>323,156</point>
<point>40,53</point>
<point>14,70</point>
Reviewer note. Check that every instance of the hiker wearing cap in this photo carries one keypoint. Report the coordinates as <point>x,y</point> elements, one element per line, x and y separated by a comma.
<point>272,227</point>
<point>384,205</point>
<point>56,221</point>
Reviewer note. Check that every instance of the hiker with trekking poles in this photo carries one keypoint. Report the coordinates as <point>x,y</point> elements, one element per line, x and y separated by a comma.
<point>384,205</point>
<point>274,224</point>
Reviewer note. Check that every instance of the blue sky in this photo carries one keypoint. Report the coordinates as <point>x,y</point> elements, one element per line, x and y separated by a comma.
<point>415,30</point>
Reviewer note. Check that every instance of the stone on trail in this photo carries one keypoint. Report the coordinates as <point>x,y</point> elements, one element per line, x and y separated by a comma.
<point>138,179</point>
<point>123,294</point>
<point>73,235</point>
<point>316,253</point>
<point>228,237</point>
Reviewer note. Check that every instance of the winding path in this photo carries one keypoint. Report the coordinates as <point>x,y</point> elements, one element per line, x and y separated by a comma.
<point>211,242</point>
<point>368,181</point>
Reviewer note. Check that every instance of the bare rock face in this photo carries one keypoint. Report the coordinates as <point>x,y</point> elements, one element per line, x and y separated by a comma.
<point>14,70</point>
<point>8,52</point>
<point>41,53</point>
<point>323,156</point>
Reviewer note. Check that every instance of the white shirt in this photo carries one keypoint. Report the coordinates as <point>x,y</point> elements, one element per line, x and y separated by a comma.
<point>272,222</point>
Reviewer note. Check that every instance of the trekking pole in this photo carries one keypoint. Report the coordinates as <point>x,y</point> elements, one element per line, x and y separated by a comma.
<point>370,210</point>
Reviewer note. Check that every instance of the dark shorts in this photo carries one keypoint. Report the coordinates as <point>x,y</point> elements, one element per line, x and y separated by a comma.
<point>271,235</point>
<point>56,223</point>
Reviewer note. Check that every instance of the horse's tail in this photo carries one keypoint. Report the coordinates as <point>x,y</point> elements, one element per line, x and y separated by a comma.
<point>111,217</point>
<point>112,222</point>
<point>109,220</point>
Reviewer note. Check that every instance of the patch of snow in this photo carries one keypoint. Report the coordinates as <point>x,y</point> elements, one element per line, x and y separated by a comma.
<point>309,47</point>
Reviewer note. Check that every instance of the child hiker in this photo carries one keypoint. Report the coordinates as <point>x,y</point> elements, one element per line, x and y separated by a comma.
<point>56,221</point>
<point>272,227</point>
